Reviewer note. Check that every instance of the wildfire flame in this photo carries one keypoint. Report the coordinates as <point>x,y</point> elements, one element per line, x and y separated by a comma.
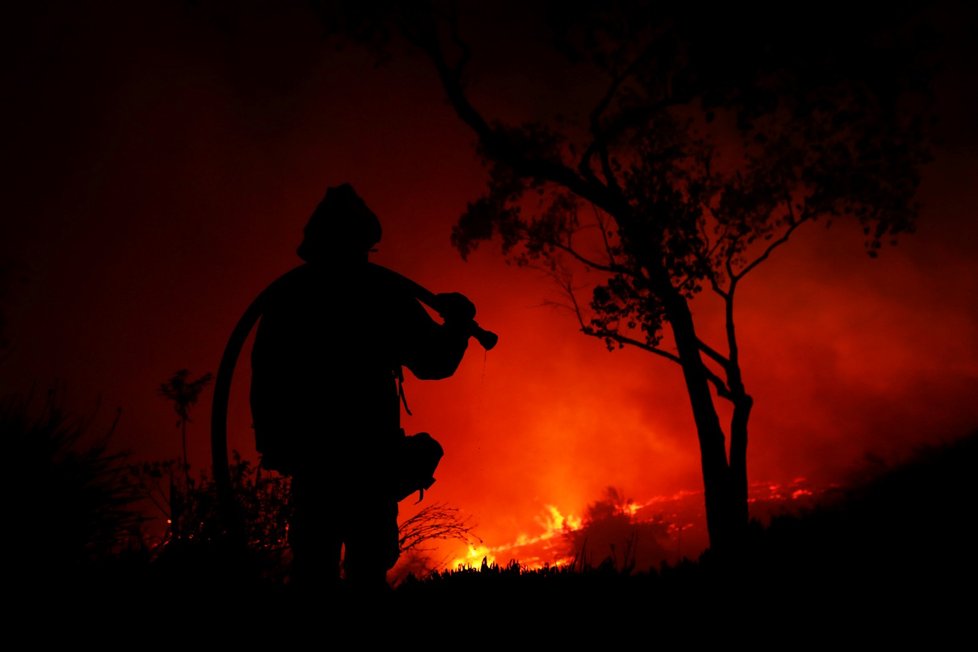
<point>682,512</point>
<point>555,525</point>
<point>475,556</point>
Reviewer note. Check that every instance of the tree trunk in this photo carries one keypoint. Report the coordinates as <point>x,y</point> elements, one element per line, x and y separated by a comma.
<point>738,462</point>
<point>713,454</point>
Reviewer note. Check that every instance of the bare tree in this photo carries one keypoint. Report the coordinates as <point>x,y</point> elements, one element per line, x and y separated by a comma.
<point>436,522</point>
<point>713,135</point>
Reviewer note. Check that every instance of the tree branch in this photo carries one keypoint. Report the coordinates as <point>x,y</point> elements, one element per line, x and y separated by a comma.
<point>466,51</point>
<point>588,329</point>
<point>723,391</point>
<point>713,353</point>
<point>792,225</point>
<point>715,284</point>
<point>604,234</point>
<point>728,263</point>
<point>436,521</point>
<point>624,339</point>
<point>733,370</point>
<point>599,142</point>
<point>611,269</point>
<point>718,383</point>
<point>607,169</point>
<point>707,260</point>
<point>495,142</point>
<point>568,288</point>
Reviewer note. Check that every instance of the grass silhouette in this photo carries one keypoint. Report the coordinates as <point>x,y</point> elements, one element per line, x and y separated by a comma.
<point>899,541</point>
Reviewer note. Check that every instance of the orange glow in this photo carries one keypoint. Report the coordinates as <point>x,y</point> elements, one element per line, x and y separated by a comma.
<point>548,545</point>
<point>555,523</point>
<point>157,197</point>
<point>474,558</point>
<point>530,550</point>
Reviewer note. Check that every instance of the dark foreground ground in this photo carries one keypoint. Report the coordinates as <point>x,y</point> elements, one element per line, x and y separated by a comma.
<point>892,560</point>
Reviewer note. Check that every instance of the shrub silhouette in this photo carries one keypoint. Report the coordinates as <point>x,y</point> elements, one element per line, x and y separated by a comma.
<point>191,545</point>
<point>70,503</point>
<point>192,549</point>
<point>613,539</point>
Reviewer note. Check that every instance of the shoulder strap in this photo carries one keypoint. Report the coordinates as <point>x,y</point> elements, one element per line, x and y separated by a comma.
<point>399,376</point>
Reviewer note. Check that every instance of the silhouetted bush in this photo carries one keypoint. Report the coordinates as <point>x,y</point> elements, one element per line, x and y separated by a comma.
<point>193,548</point>
<point>896,544</point>
<point>611,538</point>
<point>69,503</point>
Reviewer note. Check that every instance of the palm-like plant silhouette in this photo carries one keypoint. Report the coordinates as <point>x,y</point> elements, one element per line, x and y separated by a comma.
<point>184,393</point>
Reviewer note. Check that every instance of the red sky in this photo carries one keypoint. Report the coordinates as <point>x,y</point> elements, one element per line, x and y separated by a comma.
<point>160,163</point>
